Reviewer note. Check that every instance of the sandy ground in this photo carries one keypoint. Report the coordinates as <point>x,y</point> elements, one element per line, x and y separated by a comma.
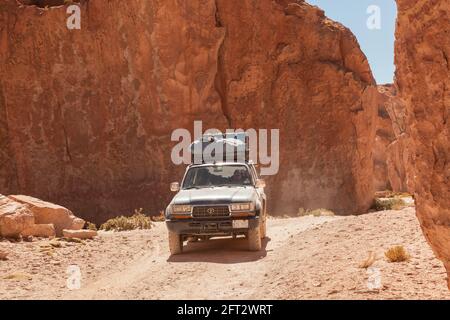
<point>303,258</point>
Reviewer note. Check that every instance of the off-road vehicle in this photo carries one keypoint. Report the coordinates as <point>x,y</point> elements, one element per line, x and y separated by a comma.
<point>217,199</point>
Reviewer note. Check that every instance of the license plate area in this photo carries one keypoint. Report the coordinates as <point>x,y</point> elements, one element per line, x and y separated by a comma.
<point>210,226</point>
<point>240,224</point>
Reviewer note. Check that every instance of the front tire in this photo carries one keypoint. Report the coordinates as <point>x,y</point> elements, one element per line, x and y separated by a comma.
<point>254,239</point>
<point>175,243</point>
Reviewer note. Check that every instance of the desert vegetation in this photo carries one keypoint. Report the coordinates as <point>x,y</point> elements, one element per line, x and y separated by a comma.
<point>122,223</point>
<point>397,254</point>
<point>321,212</point>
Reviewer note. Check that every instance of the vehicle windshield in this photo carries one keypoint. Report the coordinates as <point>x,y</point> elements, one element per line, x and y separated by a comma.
<point>217,175</point>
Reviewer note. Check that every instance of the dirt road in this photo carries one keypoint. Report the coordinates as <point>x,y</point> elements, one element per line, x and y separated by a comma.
<point>302,258</point>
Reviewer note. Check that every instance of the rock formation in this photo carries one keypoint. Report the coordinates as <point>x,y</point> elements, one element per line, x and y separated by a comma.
<point>285,65</point>
<point>27,216</point>
<point>14,218</point>
<point>89,113</point>
<point>79,234</point>
<point>384,137</point>
<point>48,213</point>
<point>422,55</point>
<point>397,152</point>
<point>390,150</point>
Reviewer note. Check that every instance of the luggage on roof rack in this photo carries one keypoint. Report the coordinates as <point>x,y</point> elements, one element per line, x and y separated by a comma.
<point>223,147</point>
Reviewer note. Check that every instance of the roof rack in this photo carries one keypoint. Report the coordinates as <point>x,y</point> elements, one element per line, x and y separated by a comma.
<point>220,147</point>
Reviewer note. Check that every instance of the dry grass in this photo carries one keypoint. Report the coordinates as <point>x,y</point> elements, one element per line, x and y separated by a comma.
<point>18,276</point>
<point>122,223</point>
<point>73,240</point>
<point>159,218</point>
<point>382,204</point>
<point>391,194</point>
<point>90,226</point>
<point>321,212</point>
<point>397,254</point>
<point>369,261</point>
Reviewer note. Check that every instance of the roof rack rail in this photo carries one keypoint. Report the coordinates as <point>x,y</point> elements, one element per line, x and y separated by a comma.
<point>220,147</point>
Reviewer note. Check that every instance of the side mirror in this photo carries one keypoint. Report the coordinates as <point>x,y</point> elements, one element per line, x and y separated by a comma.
<point>174,187</point>
<point>260,183</point>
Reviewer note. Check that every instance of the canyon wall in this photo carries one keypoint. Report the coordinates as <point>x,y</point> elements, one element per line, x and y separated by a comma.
<point>397,151</point>
<point>87,114</point>
<point>383,138</point>
<point>422,54</point>
<point>390,152</point>
<point>285,65</point>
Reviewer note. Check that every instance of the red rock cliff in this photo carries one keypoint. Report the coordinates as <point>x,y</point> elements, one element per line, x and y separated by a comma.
<point>383,138</point>
<point>87,114</point>
<point>285,65</point>
<point>423,77</point>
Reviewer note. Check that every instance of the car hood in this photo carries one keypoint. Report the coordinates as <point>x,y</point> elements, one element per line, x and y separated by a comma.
<point>215,195</point>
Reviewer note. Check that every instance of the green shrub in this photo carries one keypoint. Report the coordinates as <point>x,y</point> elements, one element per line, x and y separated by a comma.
<point>122,223</point>
<point>381,204</point>
<point>90,226</point>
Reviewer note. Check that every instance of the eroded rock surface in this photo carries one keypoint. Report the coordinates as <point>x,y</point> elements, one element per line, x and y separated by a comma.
<point>90,112</point>
<point>49,213</point>
<point>27,216</point>
<point>285,65</point>
<point>14,218</point>
<point>422,54</point>
<point>383,138</point>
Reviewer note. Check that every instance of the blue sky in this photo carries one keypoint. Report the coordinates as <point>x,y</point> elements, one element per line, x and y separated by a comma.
<point>377,44</point>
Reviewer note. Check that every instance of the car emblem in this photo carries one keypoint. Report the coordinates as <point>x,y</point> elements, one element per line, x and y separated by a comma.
<point>210,210</point>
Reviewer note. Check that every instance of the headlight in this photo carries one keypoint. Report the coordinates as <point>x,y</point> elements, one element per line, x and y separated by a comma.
<point>249,206</point>
<point>181,208</point>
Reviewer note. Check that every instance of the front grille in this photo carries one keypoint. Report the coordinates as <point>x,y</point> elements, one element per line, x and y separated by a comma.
<point>210,211</point>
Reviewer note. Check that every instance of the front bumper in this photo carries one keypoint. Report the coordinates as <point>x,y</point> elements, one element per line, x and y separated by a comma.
<point>209,227</point>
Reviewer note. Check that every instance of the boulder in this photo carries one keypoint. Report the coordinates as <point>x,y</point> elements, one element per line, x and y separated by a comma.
<point>40,230</point>
<point>14,217</point>
<point>79,234</point>
<point>49,213</point>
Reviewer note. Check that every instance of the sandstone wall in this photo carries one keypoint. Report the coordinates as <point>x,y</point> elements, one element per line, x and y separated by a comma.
<point>87,114</point>
<point>390,153</point>
<point>285,65</point>
<point>423,77</point>
<point>383,138</point>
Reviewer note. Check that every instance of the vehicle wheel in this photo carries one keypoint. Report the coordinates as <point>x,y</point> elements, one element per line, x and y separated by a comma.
<point>254,239</point>
<point>175,243</point>
<point>263,228</point>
